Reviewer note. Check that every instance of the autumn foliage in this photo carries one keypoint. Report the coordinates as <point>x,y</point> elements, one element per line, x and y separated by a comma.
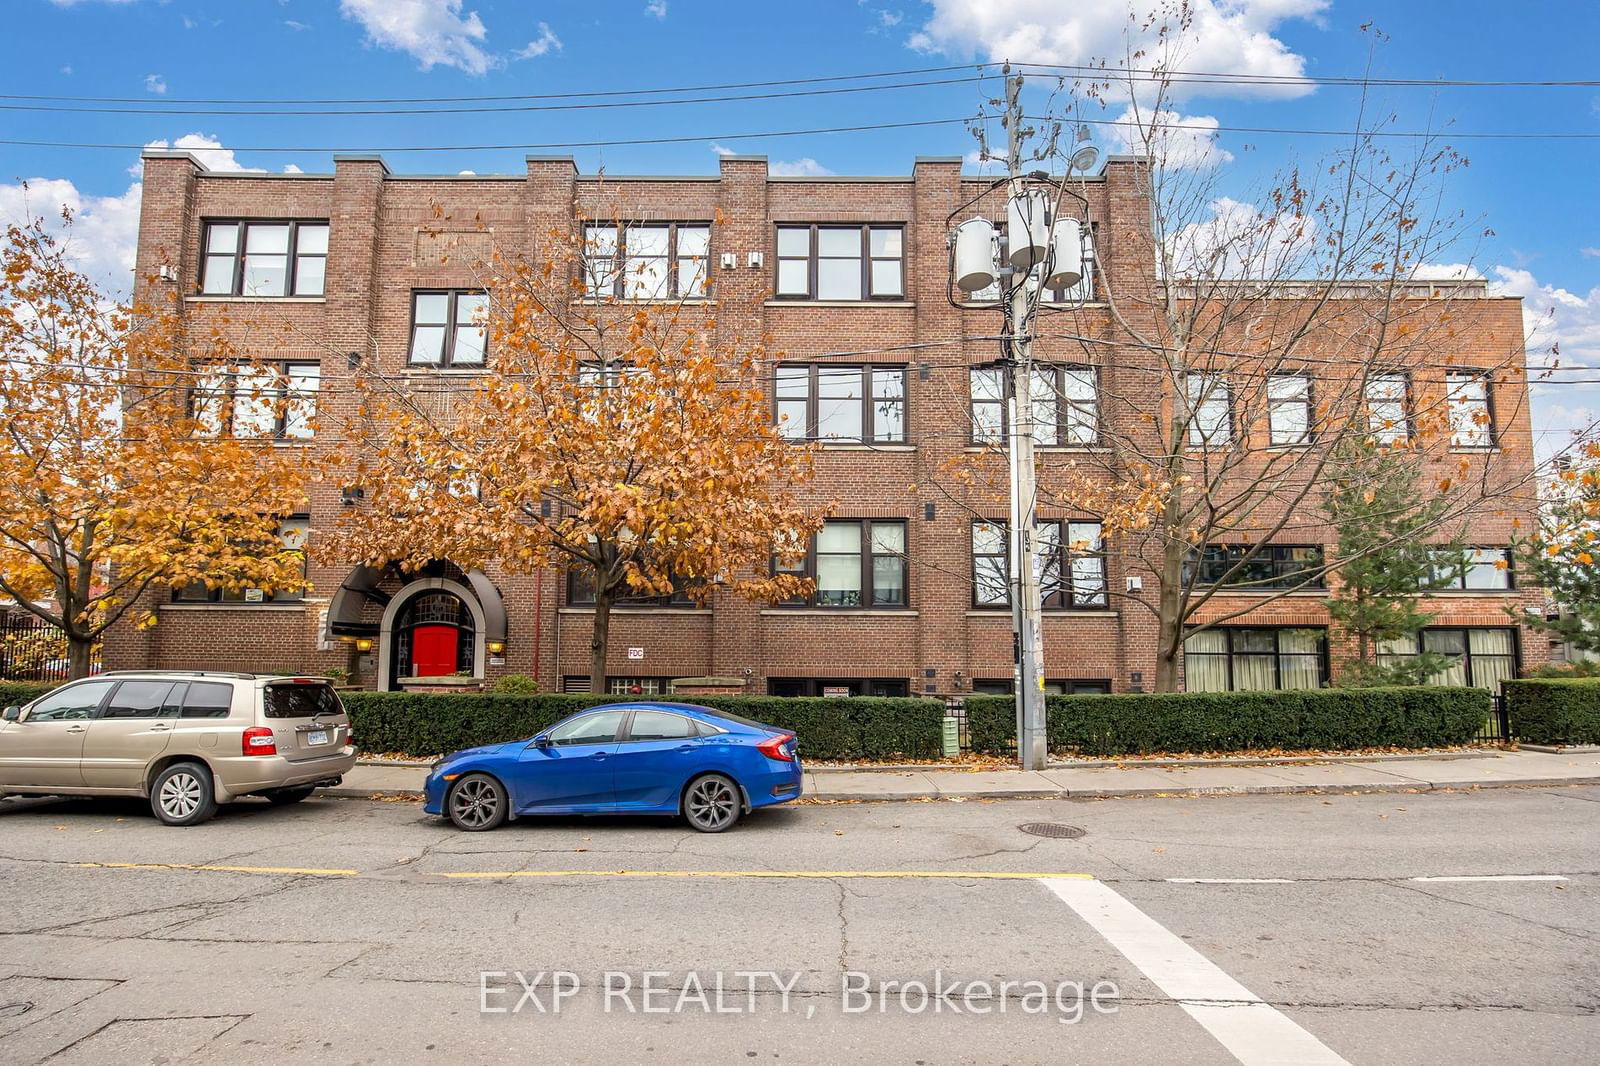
<point>109,486</point>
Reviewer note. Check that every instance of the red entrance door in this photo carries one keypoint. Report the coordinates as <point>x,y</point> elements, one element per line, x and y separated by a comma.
<point>433,650</point>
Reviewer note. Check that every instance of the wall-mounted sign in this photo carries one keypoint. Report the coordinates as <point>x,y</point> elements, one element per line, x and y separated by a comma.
<point>636,653</point>
<point>254,596</point>
<point>497,660</point>
<point>836,690</point>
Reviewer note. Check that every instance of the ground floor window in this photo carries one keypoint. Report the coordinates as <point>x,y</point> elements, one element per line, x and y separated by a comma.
<point>1005,686</point>
<point>620,686</point>
<point>1238,658</point>
<point>1478,657</point>
<point>847,686</point>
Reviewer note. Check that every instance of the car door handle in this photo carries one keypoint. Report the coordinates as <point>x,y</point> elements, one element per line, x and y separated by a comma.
<point>685,747</point>
<point>597,756</point>
<point>159,728</point>
<point>76,728</point>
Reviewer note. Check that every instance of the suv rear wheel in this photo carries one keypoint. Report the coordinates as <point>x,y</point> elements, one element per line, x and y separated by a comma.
<point>182,794</point>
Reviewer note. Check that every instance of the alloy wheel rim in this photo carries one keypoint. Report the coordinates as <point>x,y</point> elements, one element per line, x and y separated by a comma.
<point>474,803</point>
<point>711,803</point>
<point>180,795</point>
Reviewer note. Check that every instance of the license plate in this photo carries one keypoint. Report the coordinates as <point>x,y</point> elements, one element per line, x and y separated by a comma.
<point>318,737</point>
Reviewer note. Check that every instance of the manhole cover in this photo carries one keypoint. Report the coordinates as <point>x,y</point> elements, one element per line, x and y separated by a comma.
<point>1053,830</point>
<point>11,1010</point>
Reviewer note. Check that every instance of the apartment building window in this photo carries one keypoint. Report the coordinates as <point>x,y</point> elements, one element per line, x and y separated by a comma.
<point>647,260</point>
<point>1476,570</point>
<point>1289,409</point>
<point>855,563</point>
<point>1210,411</point>
<point>824,262</point>
<point>1387,419</point>
<point>580,593</point>
<point>1240,659</point>
<point>842,403</point>
<point>258,401</point>
<point>1066,406</point>
<point>1481,658</point>
<point>267,258</point>
<point>620,686</point>
<point>1071,561</point>
<point>449,328</point>
<point>1471,419</point>
<point>1272,567</point>
<point>838,686</point>
<point>1082,292</point>
<point>1005,686</point>
<point>292,532</point>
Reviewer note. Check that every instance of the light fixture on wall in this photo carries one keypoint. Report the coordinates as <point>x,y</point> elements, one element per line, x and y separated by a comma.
<point>364,644</point>
<point>496,647</point>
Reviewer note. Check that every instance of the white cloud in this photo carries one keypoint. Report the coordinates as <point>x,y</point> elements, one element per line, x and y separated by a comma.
<point>545,42</point>
<point>656,9</point>
<point>1589,253</point>
<point>1231,35</point>
<point>803,168</point>
<point>722,149</point>
<point>1446,272</point>
<point>208,150</point>
<point>74,3</point>
<point>292,169</point>
<point>1187,141</point>
<point>296,25</point>
<point>105,229</point>
<point>155,83</point>
<point>434,32</point>
<point>1562,329</point>
<point>1241,241</point>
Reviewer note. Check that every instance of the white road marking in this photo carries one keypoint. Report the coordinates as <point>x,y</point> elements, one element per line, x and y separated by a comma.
<point>1232,880</point>
<point>1495,877</point>
<point>1253,1032</point>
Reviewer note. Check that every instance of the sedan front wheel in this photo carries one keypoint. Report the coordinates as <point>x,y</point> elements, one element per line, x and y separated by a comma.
<point>477,803</point>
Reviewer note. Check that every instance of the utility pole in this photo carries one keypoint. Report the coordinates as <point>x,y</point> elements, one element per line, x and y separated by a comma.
<point>1027,640</point>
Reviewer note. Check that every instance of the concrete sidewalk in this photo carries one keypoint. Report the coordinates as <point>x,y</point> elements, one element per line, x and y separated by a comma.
<point>1498,770</point>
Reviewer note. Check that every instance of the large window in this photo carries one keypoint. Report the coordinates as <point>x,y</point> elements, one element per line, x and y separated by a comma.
<point>1005,686</point>
<point>1289,409</point>
<point>1070,558</point>
<point>292,532</point>
<point>841,262</point>
<point>1475,570</point>
<point>856,564</point>
<point>580,593</point>
<point>838,686</point>
<point>1471,419</point>
<point>1065,403</point>
<point>1272,566</point>
<point>1210,411</point>
<point>842,403</point>
<point>276,258</point>
<point>276,401</point>
<point>1478,657</point>
<point>647,260</point>
<point>1237,659</point>
<point>449,328</point>
<point>1387,418</point>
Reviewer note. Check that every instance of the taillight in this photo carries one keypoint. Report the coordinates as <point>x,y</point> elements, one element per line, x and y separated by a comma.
<point>773,748</point>
<point>258,740</point>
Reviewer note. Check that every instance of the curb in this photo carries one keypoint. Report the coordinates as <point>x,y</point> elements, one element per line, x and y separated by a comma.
<point>1196,792</point>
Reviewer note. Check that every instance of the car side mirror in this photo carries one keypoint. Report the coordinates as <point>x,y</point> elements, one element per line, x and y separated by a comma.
<point>542,740</point>
<point>11,714</point>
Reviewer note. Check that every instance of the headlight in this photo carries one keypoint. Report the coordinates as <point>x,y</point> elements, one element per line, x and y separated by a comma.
<point>434,768</point>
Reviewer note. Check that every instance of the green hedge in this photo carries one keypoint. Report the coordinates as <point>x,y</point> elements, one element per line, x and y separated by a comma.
<point>1555,711</point>
<point>432,724</point>
<point>16,693</point>
<point>1330,719</point>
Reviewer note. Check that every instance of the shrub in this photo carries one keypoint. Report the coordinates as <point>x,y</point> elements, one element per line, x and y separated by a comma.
<point>434,723</point>
<point>16,693</point>
<point>516,685</point>
<point>1555,710</point>
<point>1332,719</point>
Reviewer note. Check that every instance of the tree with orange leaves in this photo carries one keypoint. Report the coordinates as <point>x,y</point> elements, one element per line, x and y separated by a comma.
<point>110,486</point>
<point>1562,555</point>
<point>608,434</point>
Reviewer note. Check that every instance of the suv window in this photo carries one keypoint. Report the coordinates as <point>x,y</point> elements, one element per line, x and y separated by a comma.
<point>659,725</point>
<point>140,699</point>
<point>208,699</point>
<point>590,729</point>
<point>301,700</point>
<point>70,703</point>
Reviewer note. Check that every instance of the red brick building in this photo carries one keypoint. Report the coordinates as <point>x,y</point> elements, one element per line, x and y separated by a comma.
<point>358,262</point>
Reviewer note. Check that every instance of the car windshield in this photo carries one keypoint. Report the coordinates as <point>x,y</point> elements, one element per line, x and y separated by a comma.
<point>301,700</point>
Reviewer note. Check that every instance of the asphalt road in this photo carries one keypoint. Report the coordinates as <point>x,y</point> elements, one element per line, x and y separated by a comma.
<point>1255,929</point>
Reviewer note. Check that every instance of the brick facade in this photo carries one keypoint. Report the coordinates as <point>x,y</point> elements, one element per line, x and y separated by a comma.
<point>393,234</point>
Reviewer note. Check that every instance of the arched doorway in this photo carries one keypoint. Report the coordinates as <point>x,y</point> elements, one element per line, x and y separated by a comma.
<point>434,636</point>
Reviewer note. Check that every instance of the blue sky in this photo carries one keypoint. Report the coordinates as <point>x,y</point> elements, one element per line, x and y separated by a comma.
<point>1537,196</point>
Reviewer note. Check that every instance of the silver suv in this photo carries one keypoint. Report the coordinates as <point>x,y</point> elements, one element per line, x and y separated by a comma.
<point>187,740</point>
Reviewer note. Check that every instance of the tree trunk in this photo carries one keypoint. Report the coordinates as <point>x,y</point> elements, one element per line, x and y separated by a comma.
<point>79,651</point>
<point>599,642</point>
<point>1169,613</point>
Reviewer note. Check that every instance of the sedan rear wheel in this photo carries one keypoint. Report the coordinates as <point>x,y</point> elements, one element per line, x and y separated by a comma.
<point>712,803</point>
<point>476,803</point>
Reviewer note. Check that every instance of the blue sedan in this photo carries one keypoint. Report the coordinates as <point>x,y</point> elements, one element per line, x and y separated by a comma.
<point>637,758</point>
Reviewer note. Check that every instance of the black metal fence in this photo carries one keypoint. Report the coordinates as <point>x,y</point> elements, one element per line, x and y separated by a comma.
<point>32,649</point>
<point>1497,728</point>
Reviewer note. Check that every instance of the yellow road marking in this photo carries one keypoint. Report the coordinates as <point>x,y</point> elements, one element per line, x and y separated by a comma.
<point>305,871</point>
<point>974,875</point>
